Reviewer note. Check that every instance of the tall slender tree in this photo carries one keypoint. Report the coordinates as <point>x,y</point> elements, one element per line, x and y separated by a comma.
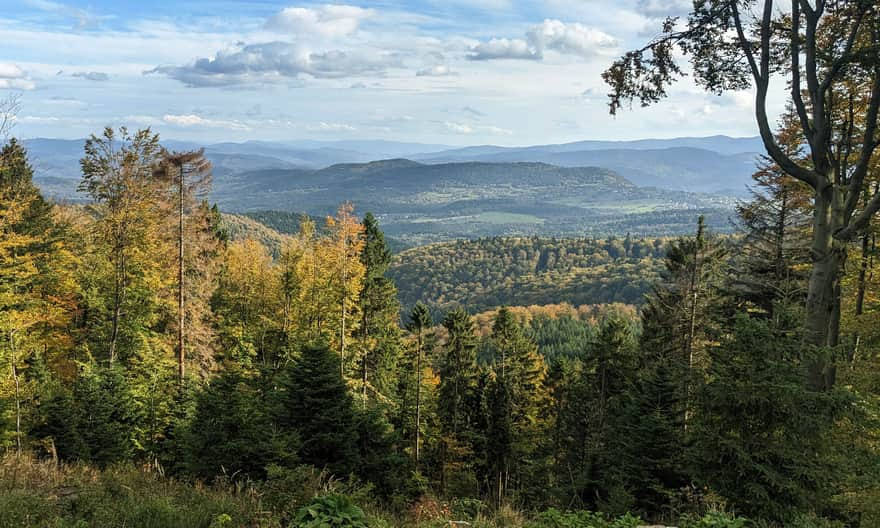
<point>189,175</point>
<point>420,323</point>
<point>458,388</point>
<point>379,327</point>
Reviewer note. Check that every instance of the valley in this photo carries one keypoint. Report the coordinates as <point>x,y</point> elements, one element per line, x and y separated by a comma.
<point>429,194</point>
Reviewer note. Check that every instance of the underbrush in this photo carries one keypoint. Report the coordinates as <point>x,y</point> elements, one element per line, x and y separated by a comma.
<point>42,494</point>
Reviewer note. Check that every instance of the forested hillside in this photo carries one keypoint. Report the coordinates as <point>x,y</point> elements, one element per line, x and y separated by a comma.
<point>485,273</point>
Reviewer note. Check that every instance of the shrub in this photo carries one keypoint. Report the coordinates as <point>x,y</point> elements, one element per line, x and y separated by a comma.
<point>330,511</point>
<point>553,518</point>
<point>714,519</point>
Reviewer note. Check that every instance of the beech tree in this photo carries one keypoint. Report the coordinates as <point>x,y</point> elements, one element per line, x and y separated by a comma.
<point>828,53</point>
<point>118,175</point>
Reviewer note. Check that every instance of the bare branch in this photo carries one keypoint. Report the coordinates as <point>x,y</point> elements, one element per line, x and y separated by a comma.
<point>9,109</point>
<point>869,143</point>
<point>796,95</point>
<point>762,81</point>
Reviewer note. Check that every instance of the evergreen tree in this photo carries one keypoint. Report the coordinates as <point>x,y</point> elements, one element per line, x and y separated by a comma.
<point>458,394</point>
<point>775,222</point>
<point>518,386</point>
<point>646,456</point>
<point>106,415</point>
<point>761,434</point>
<point>420,323</point>
<point>379,332</point>
<point>231,430</point>
<point>683,315</point>
<point>313,401</point>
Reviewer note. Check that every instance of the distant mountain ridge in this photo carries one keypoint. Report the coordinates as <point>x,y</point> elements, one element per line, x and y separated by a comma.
<point>701,164</point>
<point>481,191</point>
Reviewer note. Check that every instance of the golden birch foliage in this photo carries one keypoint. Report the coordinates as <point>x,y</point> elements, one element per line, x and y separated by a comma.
<point>248,303</point>
<point>346,279</point>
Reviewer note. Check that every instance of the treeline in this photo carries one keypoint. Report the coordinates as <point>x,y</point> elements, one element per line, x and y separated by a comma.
<point>135,330</point>
<point>489,272</point>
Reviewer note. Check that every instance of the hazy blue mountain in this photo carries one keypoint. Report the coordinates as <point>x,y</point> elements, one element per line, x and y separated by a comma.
<point>708,164</point>
<point>502,192</point>
<point>719,144</point>
<point>712,164</point>
<point>424,202</point>
<point>678,168</point>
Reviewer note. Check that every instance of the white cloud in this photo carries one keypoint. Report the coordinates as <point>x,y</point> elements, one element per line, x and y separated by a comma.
<point>92,76</point>
<point>273,61</point>
<point>459,128</point>
<point>576,39</point>
<point>664,8</point>
<point>502,48</point>
<point>327,21</point>
<point>467,129</point>
<point>440,70</point>
<point>330,127</point>
<point>569,39</point>
<point>194,120</point>
<point>12,77</point>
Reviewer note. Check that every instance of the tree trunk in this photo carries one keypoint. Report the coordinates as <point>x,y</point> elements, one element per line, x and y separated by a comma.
<point>418,395</point>
<point>118,297</point>
<point>867,250</point>
<point>181,353</point>
<point>17,394</point>
<point>366,351</point>
<point>819,326</point>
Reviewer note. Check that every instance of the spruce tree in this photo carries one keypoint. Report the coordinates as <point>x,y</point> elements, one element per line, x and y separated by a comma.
<point>458,405</point>
<point>379,333</point>
<point>760,435</point>
<point>419,325</point>
<point>518,385</point>
<point>313,400</point>
<point>231,430</point>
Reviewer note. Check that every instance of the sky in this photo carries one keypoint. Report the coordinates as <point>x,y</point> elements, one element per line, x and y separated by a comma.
<point>453,72</point>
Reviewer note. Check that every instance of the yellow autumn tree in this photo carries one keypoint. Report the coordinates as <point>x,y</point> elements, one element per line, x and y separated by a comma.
<point>346,278</point>
<point>247,302</point>
<point>36,284</point>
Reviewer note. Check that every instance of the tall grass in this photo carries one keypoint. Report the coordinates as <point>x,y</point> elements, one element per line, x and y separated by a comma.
<point>41,494</point>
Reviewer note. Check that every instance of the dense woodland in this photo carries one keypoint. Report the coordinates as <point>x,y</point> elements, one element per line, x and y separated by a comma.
<point>485,273</point>
<point>136,330</point>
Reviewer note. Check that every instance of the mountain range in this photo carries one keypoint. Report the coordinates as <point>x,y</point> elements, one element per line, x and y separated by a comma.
<point>433,192</point>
